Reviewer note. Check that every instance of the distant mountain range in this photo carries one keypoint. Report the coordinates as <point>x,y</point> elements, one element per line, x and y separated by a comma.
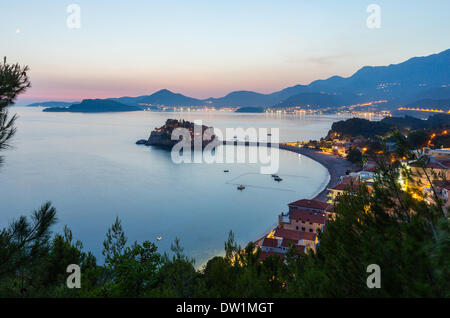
<point>319,100</point>
<point>162,97</point>
<point>418,78</point>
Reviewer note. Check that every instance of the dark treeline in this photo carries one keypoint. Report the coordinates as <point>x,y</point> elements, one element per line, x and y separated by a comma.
<point>407,237</point>
<point>358,127</point>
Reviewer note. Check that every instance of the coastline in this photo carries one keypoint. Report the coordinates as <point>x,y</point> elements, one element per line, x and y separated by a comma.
<point>336,166</point>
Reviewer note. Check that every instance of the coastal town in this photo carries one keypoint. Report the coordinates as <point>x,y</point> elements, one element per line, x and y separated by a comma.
<point>364,110</point>
<point>300,226</point>
<point>352,157</point>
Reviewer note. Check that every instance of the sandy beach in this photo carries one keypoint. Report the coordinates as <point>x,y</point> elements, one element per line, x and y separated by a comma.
<point>335,165</point>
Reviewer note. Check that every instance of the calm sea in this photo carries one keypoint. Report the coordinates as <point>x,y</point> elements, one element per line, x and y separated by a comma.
<point>89,167</point>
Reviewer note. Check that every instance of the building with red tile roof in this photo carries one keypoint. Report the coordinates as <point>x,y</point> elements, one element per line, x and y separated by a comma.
<point>314,205</point>
<point>269,242</point>
<point>288,243</point>
<point>264,255</point>
<point>307,239</point>
<point>308,216</point>
<point>308,236</point>
<point>302,220</point>
<point>346,187</point>
<point>350,185</point>
<point>434,166</point>
<point>280,245</point>
<point>282,233</point>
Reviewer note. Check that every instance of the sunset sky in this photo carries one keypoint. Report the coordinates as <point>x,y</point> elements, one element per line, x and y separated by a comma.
<point>209,48</point>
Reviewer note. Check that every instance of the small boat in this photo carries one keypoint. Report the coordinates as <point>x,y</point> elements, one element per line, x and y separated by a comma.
<point>159,238</point>
<point>241,187</point>
<point>275,176</point>
<point>278,179</point>
<point>226,171</point>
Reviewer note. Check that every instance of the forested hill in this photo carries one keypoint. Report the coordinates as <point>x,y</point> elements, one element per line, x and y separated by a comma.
<point>356,127</point>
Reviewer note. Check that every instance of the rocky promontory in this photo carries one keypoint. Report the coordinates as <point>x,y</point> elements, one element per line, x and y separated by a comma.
<point>162,136</point>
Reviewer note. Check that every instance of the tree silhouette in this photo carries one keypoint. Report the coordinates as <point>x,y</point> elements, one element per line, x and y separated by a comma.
<point>13,81</point>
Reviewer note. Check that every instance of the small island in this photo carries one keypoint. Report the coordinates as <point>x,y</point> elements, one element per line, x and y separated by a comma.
<point>162,136</point>
<point>251,110</point>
